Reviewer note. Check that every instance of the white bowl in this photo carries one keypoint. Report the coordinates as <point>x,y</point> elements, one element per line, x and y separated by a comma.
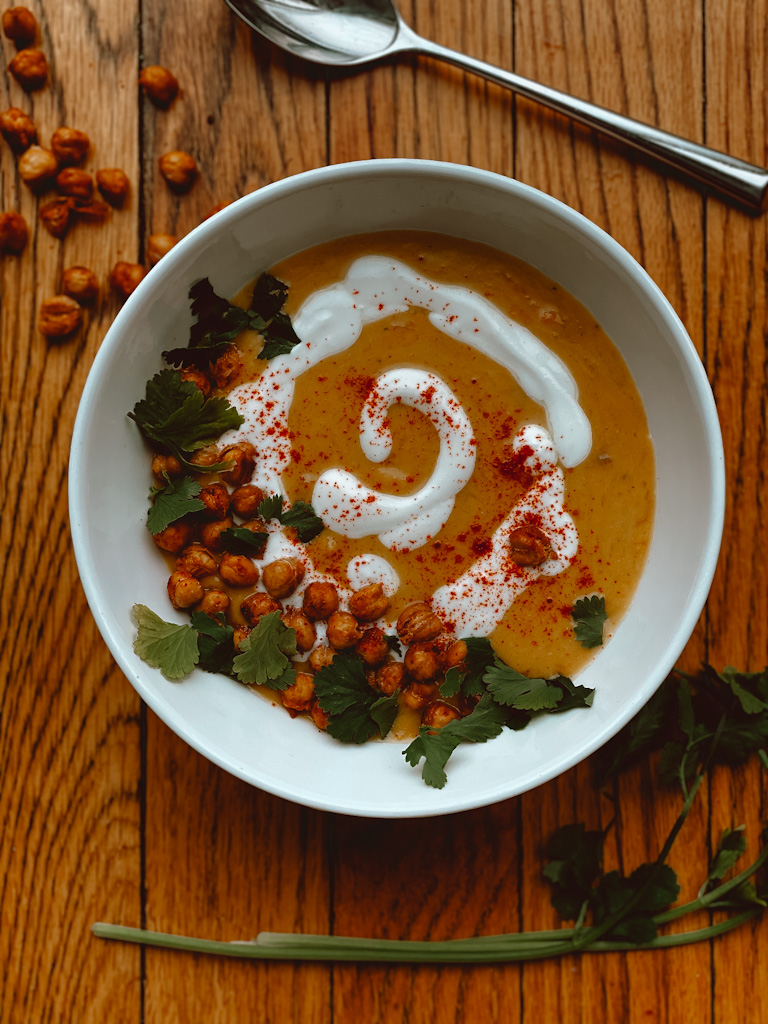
<point>119,564</point>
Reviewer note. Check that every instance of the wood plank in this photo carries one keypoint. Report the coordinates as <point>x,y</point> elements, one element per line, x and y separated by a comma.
<point>241,861</point>
<point>69,732</point>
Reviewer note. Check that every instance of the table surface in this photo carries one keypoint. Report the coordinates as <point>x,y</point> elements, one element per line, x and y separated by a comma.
<point>106,815</point>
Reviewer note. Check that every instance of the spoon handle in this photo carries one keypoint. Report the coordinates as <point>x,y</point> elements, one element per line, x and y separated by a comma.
<point>745,183</point>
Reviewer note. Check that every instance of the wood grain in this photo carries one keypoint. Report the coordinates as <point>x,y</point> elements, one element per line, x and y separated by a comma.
<point>105,813</point>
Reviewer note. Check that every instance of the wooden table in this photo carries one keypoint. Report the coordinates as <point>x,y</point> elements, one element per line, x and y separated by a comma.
<point>105,814</point>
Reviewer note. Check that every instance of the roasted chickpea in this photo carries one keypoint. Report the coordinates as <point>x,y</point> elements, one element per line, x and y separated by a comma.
<point>372,646</point>
<point>419,695</point>
<point>343,630</point>
<point>320,600</point>
<point>56,216</point>
<point>126,277</point>
<point>305,631</point>
<point>210,533</point>
<point>438,714</point>
<point>37,166</point>
<point>198,377</point>
<point>73,181</point>
<point>418,622</point>
<point>454,655</point>
<point>184,590</point>
<point>238,570</point>
<point>197,561</point>
<point>321,656</point>
<point>70,145</point>
<point>159,84</point>
<point>301,694</point>
<point>390,678</point>
<point>163,465</point>
<point>422,661</point>
<point>204,457</point>
<point>214,602</point>
<point>246,501</point>
<point>30,69</point>
<point>179,170</point>
<point>215,497</point>
<point>113,185</point>
<point>369,603</point>
<point>158,246</point>
<point>20,26</point>
<point>529,546</point>
<point>81,284</point>
<point>227,367</point>
<point>319,717</point>
<point>59,317</point>
<point>239,635</point>
<point>243,458</point>
<point>92,211</point>
<point>17,129</point>
<point>13,233</point>
<point>256,605</point>
<point>175,537</point>
<point>281,577</point>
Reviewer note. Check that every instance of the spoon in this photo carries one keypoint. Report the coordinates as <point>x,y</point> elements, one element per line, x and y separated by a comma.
<point>353,33</point>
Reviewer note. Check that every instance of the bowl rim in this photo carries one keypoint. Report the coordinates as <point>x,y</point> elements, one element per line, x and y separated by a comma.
<point>152,286</point>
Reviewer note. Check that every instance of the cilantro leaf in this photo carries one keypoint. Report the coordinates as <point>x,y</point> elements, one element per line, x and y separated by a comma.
<point>215,642</point>
<point>356,710</point>
<point>169,646</point>
<point>268,296</point>
<point>613,891</point>
<point>749,688</point>
<point>239,540</point>
<point>175,414</point>
<point>731,846</point>
<point>172,502</point>
<point>301,516</point>
<point>393,643</point>
<point>589,614</point>
<point>573,695</point>
<point>467,678</point>
<point>271,507</point>
<point>265,654</point>
<point>515,690</point>
<point>576,858</point>
<point>384,713</point>
<point>451,685</point>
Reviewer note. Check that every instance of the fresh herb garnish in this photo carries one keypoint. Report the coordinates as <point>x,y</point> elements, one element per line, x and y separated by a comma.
<point>301,516</point>
<point>357,711</point>
<point>265,654</point>
<point>468,678</point>
<point>524,693</point>
<point>169,646</point>
<point>588,614</point>
<point>239,540</point>
<point>172,502</point>
<point>214,642</point>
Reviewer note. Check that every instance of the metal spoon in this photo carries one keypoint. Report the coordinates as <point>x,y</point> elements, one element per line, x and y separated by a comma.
<point>351,33</point>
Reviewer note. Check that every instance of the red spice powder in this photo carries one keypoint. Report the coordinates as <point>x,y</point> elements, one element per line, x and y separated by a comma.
<point>482,546</point>
<point>513,466</point>
<point>429,393</point>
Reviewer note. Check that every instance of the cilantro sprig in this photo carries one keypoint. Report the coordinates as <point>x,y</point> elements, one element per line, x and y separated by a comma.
<point>589,615</point>
<point>357,711</point>
<point>265,654</point>
<point>301,516</point>
<point>172,502</point>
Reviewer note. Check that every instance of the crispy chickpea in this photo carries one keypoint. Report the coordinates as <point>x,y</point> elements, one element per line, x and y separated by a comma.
<point>92,211</point>
<point>204,457</point>
<point>281,577</point>
<point>454,655</point>
<point>418,695</point>
<point>159,84</point>
<point>369,603</point>
<point>227,367</point>
<point>438,714</point>
<point>126,277</point>
<point>17,129</point>
<point>301,694</point>
<point>320,600</point>
<point>13,233</point>
<point>113,185</point>
<point>256,605</point>
<point>372,647</point>
<point>390,677</point>
<point>166,464</point>
<point>239,635</point>
<point>529,546</point>
<point>197,561</point>
<point>305,631</point>
<point>214,602</point>
<point>175,537</point>
<point>81,284</point>
<point>243,459</point>
<point>215,497</point>
<point>70,145</point>
<point>30,69</point>
<point>321,656</point>
<point>238,570</point>
<point>184,590</point>
<point>343,630</point>
<point>246,501</point>
<point>56,216</point>
<point>422,661</point>
<point>37,166</point>
<point>59,317</point>
<point>72,181</point>
<point>179,169</point>
<point>210,533</point>
<point>319,717</point>
<point>198,377</point>
<point>20,26</point>
<point>418,622</point>
<point>159,246</point>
